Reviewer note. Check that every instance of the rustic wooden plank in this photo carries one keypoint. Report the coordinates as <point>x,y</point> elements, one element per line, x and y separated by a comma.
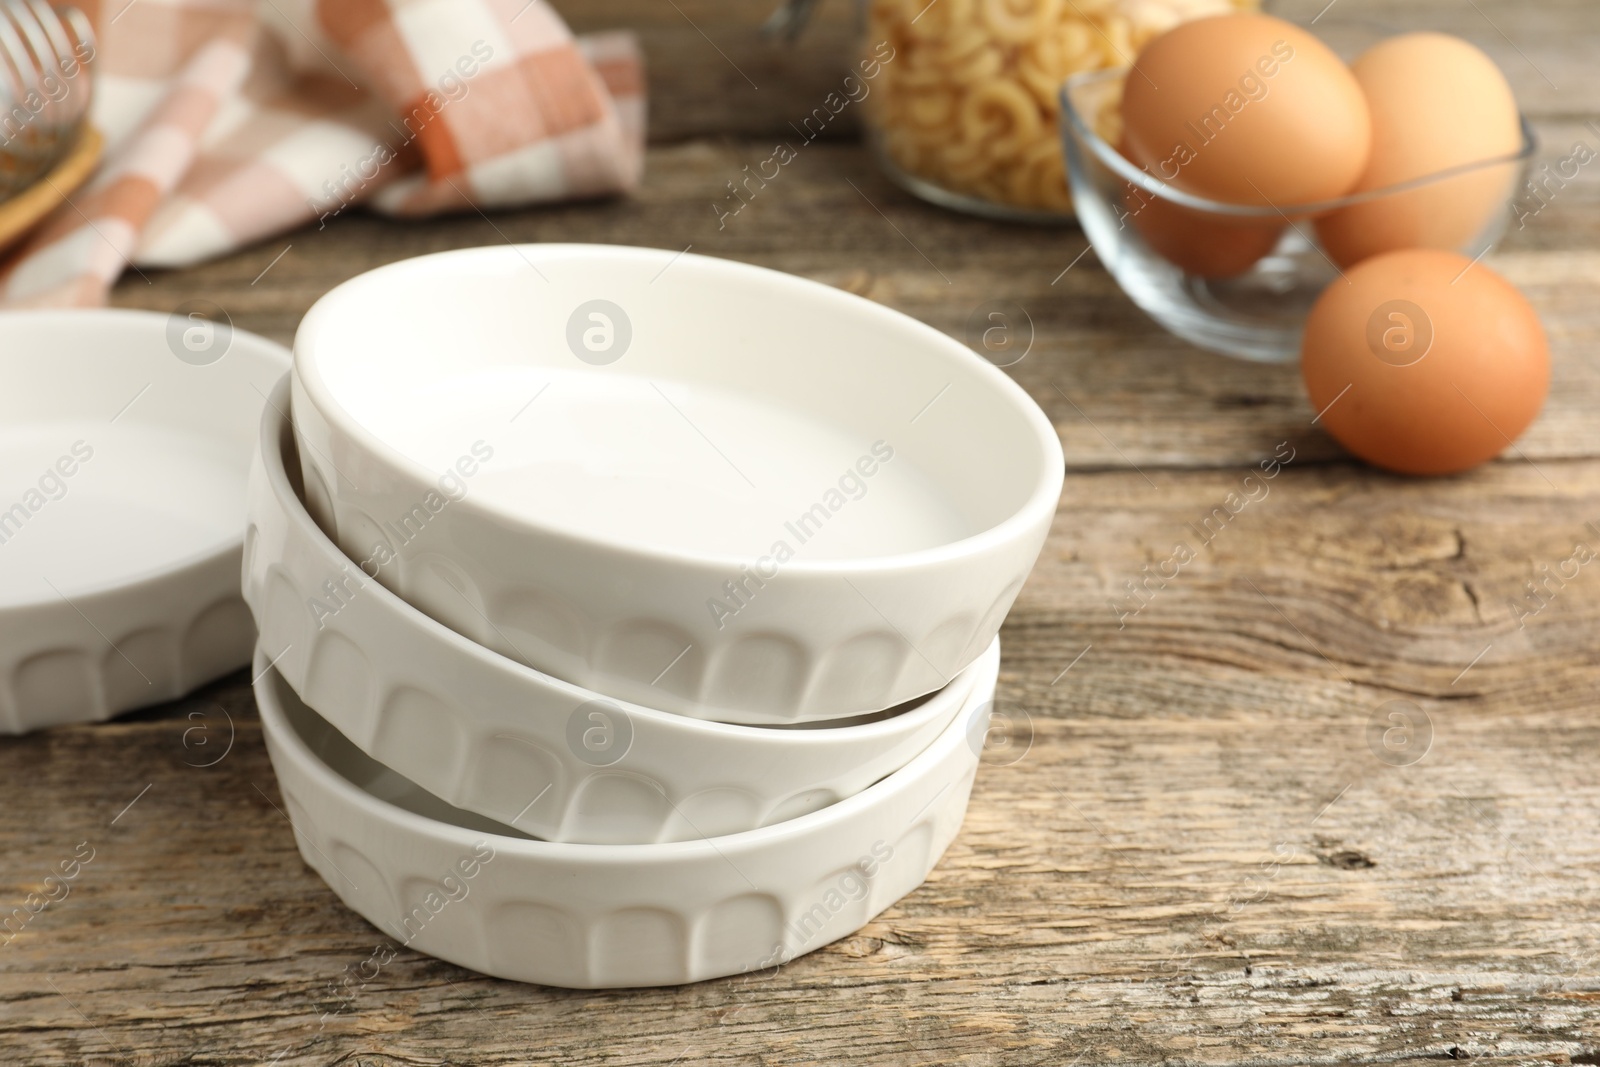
<point>741,84</point>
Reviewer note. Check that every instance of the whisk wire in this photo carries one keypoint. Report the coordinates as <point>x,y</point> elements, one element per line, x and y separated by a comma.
<point>44,93</point>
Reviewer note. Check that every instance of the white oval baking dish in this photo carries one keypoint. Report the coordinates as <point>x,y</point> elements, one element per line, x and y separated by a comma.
<point>490,735</point>
<point>125,440</point>
<point>445,882</point>
<point>689,483</point>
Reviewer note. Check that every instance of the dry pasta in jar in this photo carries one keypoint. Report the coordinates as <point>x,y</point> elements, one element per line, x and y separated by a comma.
<point>969,104</point>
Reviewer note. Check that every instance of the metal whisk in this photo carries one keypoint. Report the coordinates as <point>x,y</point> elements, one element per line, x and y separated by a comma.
<point>45,88</point>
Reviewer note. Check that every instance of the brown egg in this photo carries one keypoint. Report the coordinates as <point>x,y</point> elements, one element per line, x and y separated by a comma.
<point>1424,362</point>
<point>1208,245</point>
<point>1436,102</point>
<point>1246,109</point>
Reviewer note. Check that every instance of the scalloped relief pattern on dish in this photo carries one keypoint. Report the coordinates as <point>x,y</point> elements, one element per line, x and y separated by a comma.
<point>97,657</point>
<point>609,916</point>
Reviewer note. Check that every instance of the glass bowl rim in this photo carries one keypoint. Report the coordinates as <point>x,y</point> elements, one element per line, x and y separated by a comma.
<point>1074,126</point>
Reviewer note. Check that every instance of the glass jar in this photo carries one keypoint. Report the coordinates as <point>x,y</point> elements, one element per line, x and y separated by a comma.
<point>965,108</point>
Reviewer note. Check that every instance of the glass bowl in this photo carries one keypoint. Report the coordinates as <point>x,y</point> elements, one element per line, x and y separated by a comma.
<point>1259,312</point>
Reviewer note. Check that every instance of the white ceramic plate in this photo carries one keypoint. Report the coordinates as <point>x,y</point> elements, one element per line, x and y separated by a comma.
<point>492,736</point>
<point>688,483</point>
<point>122,482</point>
<point>444,882</point>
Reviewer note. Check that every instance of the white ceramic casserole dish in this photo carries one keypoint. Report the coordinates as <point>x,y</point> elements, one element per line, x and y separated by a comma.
<point>692,484</point>
<point>586,916</point>
<point>125,441</point>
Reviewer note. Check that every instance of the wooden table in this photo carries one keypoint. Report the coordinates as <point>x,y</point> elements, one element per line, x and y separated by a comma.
<point>1200,858</point>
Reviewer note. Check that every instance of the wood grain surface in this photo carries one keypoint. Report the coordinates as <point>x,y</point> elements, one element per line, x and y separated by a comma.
<point>1190,844</point>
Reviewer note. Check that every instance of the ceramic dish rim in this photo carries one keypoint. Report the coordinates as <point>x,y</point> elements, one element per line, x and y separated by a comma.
<point>1041,499</point>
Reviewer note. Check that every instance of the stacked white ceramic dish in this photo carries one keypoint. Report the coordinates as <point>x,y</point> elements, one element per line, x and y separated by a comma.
<point>514,577</point>
<point>486,733</point>
<point>449,883</point>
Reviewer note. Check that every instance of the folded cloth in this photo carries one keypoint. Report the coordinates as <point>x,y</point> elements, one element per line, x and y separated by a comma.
<point>230,120</point>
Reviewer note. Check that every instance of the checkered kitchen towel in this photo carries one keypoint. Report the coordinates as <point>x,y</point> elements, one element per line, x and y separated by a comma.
<point>230,120</point>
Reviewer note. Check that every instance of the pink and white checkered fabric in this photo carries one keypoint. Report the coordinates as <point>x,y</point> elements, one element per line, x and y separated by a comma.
<point>230,120</point>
